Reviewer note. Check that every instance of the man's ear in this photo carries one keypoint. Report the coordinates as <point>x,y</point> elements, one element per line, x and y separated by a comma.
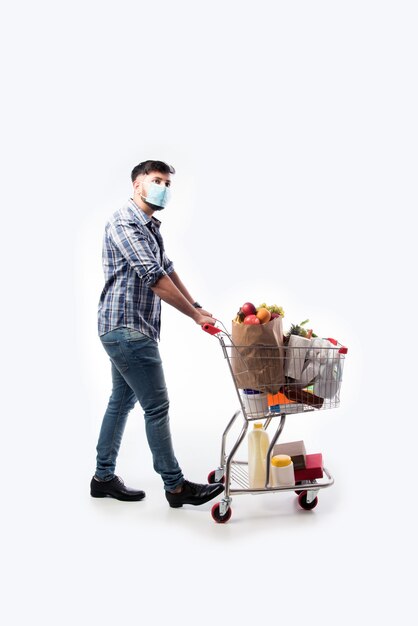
<point>138,185</point>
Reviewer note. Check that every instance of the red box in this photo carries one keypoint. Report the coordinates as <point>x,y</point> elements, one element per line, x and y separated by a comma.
<point>313,469</point>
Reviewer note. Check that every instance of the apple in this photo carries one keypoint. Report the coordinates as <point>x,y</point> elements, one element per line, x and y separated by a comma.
<point>274,315</point>
<point>248,309</point>
<point>251,319</point>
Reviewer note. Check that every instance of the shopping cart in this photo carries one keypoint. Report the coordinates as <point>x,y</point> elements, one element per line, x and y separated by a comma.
<point>294,379</point>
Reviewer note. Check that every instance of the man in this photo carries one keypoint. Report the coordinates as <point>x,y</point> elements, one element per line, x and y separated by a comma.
<point>138,275</point>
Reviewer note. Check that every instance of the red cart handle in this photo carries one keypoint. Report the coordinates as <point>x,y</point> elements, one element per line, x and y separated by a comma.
<point>212,330</point>
<point>342,350</point>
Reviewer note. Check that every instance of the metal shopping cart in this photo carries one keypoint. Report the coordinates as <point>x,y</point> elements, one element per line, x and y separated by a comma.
<point>272,382</point>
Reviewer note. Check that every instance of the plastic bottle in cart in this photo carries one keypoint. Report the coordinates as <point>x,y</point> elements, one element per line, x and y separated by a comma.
<point>258,445</point>
<point>282,471</point>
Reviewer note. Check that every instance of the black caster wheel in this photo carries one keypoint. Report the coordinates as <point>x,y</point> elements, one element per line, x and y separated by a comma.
<point>308,506</point>
<point>220,519</point>
<point>212,481</point>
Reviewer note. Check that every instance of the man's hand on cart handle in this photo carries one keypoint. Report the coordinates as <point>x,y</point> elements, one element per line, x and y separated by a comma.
<point>211,329</point>
<point>205,318</point>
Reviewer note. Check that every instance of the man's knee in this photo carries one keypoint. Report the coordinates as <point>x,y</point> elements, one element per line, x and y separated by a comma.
<point>124,403</point>
<point>158,409</point>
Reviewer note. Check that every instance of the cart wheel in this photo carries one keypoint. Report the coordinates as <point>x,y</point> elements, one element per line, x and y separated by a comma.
<point>212,481</point>
<point>216,514</point>
<point>304,503</point>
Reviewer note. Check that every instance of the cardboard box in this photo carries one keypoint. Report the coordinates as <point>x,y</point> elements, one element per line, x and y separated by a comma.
<point>314,468</point>
<point>295,449</point>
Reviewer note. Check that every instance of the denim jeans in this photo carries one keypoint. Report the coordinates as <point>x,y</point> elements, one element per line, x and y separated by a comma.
<point>137,374</point>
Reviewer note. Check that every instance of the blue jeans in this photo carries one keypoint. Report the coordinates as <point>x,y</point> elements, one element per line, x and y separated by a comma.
<point>137,374</point>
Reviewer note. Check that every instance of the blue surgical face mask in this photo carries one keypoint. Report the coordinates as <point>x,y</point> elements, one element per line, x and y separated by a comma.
<point>157,195</point>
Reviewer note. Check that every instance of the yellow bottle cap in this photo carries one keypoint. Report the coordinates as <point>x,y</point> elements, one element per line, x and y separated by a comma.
<point>258,425</point>
<point>281,460</point>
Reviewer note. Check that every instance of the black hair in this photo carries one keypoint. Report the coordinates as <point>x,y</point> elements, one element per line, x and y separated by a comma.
<point>145,167</point>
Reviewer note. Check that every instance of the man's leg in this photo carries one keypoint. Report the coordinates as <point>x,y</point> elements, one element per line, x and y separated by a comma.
<point>146,377</point>
<point>120,404</point>
<point>137,359</point>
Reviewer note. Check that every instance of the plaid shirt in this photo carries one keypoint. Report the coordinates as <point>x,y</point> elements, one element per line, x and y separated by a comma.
<point>133,260</point>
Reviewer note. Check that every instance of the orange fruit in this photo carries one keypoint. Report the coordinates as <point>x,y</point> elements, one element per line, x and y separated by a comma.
<point>263,315</point>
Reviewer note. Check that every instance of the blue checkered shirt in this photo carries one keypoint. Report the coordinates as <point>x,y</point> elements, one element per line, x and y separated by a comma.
<point>133,260</point>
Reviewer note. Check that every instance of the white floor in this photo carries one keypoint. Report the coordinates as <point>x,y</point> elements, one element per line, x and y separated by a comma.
<point>81,560</point>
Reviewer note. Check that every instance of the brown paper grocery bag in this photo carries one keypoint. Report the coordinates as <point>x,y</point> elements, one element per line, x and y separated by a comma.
<point>258,356</point>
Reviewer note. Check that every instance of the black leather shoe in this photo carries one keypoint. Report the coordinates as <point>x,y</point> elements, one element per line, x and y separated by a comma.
<point>193,493</point>
<point>114,488</point>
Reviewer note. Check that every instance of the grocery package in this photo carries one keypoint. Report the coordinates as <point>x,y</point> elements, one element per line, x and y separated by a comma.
<point>258,354</point>
<point>297,348</point>
<point>295,449</point>
<point>301,365</point>
<point>282,472</point>
<point>329,377</point>
<point>297,394</point>
<point>314,468</point>
<point>277,401</point>
<point>321,367</point>
<point>258,445</point>
<point>255,402</point>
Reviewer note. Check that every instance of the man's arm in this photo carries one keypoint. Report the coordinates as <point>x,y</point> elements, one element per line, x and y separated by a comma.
<point>168,291</point>
<point>182,288</point>
<point>134,247</point>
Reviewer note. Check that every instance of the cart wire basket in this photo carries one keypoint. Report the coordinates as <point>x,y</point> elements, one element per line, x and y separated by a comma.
<point>272,382</point>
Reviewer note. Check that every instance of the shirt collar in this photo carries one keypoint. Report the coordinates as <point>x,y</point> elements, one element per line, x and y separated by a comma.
<point>143,217</point>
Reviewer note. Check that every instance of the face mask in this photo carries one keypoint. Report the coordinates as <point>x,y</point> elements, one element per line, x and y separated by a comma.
<point>157,195</point>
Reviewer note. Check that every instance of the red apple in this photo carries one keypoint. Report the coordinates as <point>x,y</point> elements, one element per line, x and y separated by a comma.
<point>251,319</point>
<point>274,315</point>
<point>248,309</point>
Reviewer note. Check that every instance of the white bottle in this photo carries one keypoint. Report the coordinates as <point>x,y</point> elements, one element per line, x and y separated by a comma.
<point>258,445</point>
<point>282,471</point>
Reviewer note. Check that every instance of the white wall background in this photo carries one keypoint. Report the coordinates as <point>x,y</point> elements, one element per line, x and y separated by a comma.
<point>293,129</point>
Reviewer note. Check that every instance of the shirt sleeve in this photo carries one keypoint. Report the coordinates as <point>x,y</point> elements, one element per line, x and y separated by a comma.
<point>136,250</point>
<point>167,264</point>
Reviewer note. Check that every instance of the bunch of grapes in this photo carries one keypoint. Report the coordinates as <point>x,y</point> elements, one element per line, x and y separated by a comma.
<point>273,308</point>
